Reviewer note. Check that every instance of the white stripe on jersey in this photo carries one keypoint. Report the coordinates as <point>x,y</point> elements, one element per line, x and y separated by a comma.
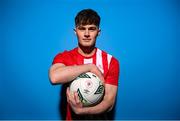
<point>109,59</point>
<point>88,61</point>
<point>99,62</point>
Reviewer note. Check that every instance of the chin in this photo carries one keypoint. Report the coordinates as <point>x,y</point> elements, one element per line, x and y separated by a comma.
<point>86,45</point>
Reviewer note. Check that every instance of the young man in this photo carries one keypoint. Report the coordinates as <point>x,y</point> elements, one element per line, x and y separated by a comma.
<point>86,58</point>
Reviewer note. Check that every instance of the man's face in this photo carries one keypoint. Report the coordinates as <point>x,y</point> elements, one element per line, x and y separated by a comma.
<point>87,34</point>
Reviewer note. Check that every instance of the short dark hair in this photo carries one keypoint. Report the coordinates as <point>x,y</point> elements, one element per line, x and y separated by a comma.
<point>87,16</point>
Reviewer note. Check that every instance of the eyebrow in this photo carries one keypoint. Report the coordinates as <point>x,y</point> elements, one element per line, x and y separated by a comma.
<point>90,28</point>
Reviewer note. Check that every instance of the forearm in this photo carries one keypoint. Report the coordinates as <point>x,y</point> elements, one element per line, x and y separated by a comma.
<point>66,74</point>
<point>104,106</point>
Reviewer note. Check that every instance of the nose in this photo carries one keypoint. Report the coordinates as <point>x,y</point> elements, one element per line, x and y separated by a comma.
<point>86,34</point>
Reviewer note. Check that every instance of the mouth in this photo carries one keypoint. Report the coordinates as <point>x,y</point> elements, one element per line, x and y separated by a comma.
<point>86,40</point>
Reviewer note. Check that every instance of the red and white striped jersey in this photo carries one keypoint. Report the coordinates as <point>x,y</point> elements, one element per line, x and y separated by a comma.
<point>108,65</point>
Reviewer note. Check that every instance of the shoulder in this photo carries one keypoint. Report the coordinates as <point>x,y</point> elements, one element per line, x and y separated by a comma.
<point>109,56</point>
<point>64,56</point>
<point>113,69</point>
<point>66,52</point>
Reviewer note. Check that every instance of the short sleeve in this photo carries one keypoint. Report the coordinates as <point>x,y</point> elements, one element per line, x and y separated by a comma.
<point>113,72</point>
<point>60,58</point>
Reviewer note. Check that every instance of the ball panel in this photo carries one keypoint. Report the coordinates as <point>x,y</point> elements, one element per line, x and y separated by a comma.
<point>96,96</point>
<point>89,88</point>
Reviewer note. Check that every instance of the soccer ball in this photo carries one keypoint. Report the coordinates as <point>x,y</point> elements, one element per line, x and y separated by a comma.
<point>89,88</point>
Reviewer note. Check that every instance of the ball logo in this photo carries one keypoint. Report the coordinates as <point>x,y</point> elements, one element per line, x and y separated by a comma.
<point>86,91</point>
<point>88,84</point>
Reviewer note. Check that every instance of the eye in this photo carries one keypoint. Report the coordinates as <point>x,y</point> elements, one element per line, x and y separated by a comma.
<point>81,28</point>
<point>92,28</point>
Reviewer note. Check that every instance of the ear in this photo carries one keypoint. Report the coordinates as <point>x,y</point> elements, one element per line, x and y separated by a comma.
<point>99,31</point>
<point>75,30</point>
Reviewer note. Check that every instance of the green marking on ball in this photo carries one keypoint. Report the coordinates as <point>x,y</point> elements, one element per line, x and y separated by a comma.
<point>81,97</point>
<point>100,90</point>
<point>84,75</point>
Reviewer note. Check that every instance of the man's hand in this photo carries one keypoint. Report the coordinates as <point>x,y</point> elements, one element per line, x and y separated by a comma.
<point>73,100</point>
<point>94,69</point>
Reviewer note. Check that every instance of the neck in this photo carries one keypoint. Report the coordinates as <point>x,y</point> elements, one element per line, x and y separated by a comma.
<point>86,51</point>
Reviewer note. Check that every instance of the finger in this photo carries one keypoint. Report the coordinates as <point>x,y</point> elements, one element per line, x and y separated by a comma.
<point>76,97</point>
<point>102,80</point>
<point>67,90</point>
<point>100,76</point>
<point>72,99</point>
<point>78,102</point>
<point>67,94</point>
